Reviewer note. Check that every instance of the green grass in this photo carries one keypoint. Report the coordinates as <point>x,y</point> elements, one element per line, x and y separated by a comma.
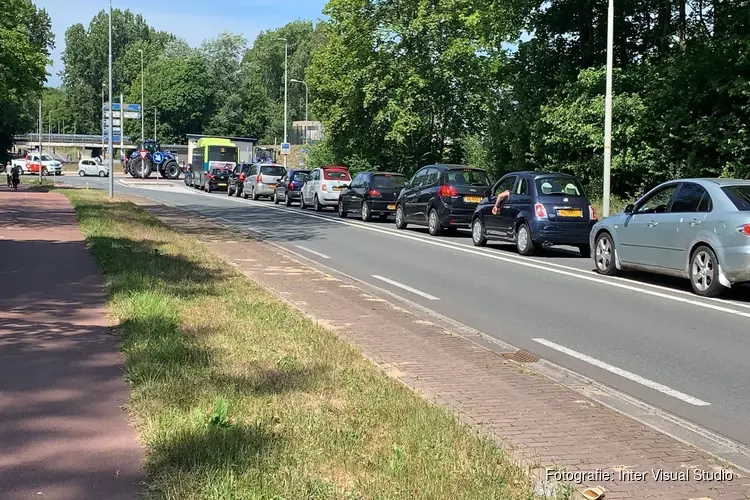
<point>615,205</point>
<point>237,396</point>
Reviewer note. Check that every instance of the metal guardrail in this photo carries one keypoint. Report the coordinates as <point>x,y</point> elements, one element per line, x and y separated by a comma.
<point>77,139</point>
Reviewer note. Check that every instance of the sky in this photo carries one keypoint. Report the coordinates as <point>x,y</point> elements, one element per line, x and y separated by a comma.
<point>193,20</point>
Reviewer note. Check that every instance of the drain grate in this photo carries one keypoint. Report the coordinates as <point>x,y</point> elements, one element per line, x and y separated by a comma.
<point>521,356</point>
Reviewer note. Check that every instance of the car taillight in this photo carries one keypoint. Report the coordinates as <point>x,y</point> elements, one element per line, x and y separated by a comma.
<point>291,185</point>
<point>324,187</point>
<point>541,212</point>
<point>259,178</point>
<point>212,177</point>
<point>744,229</point>
<point>592,213</point>
<point>242,177</point>
<point>373,193</point>
<point>447,191</point>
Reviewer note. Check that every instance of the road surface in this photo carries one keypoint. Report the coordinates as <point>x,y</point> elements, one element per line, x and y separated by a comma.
<point>646,336</point>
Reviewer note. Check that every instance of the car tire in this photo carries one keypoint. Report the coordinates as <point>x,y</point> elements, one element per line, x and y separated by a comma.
<point>318,206</point>
<point>524,244</point>
<point>229,190</point>
<point>585,251</point>
<point>254,195</point>
<point>102,174</point>
<point>342,212</point>
<point>400,217</point>
<point>238,191</point>
<point>365,212</point>
<point>302,203</point>
<point>704,273</point>
<point>275,198</point>
<point>478,233</point>
<point>287,200</point>
<point>433,223</point>
<point>81,173</point>
<point>604,255</point>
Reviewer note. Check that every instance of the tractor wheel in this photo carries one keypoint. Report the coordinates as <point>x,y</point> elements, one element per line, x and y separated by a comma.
<point>140,168</point>
<point>171,169</point>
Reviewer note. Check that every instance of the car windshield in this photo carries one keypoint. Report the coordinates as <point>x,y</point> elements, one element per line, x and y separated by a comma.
<point>218,171</point>
<point>466,177</point>
<point>222,153</point>
<point>300,176</point>
<point>46,158</point>
<point>272,170</point>
<point>336,175</point>
<point>388,181</point>
<point>246,168</point>
<point>740,196</point>
<point>559,186</point>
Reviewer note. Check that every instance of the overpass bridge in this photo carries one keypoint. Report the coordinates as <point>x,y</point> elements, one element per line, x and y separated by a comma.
<point>92,143</point>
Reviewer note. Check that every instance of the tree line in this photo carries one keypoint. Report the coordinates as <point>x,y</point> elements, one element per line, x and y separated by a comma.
<point>501,84</point>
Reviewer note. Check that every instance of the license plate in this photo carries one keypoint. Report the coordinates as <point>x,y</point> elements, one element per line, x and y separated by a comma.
<point>570,213</point>
<point>222,184</point>
<point>391,207</point>
<point>472,199</point>
<point>338,188</point>
<point>273,186</point>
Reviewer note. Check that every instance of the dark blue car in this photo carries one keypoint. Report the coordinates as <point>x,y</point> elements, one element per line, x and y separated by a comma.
<point>544,209</point>
<point>290,186</point>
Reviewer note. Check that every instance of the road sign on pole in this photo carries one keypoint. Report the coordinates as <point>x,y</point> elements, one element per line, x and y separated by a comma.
<point>286,148</point>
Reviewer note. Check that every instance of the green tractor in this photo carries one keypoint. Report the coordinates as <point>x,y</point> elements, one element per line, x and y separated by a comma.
<point>143,162</point>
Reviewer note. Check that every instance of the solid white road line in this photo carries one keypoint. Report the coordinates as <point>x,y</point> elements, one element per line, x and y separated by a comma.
<point>625,374</point>
<point>406,287</point>
<point>309,250</point>
<point>522,261</point>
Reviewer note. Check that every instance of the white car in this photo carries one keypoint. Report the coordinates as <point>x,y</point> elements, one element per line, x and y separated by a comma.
<point>50,166</point>
<point>324,186</point>
<point>92,167</point>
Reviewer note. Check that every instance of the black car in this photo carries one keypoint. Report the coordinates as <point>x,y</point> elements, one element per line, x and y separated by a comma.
<point>237,179</point>
<point>544,209</point>
<point>441,197</point>
<point>371,194</point>
<point>216,180</point>
<point>289,187</point>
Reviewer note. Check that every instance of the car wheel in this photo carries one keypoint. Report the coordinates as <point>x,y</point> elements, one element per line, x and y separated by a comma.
<point>604,255</point>
<point>275,198</point>
<point>318,206</point>
<point>342,211</point>
<point>433,223</point>
<point>523,240</point>
<point>302,203</point>
<point>229,191</point>
<point>704,273</point>
<point>238,191</point>
<point>81,173</point>
<point>102,173</point>
<point>255,196</point>
<point>287,200</point>
<point>400,218</point>
<point>478,234</point>
<point>366,215</point>
<point>585,251</point>
<point>208,187</point>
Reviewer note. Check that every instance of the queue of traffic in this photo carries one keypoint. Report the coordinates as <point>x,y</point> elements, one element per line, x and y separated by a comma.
<point>697,229</point>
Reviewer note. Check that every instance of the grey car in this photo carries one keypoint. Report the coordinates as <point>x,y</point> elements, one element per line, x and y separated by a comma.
<point>697,229</point>
<point>261,180</point>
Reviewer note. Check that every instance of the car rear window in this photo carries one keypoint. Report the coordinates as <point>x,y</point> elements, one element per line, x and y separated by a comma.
<point>218,171</point>
<point>246,169</point>
<point>336,175</point>
<point>466,177</point>
<point>272,170</point>
<point>300,175</point>
<point>740,196</point>
<point>558,186</point>
<point>388,181</point>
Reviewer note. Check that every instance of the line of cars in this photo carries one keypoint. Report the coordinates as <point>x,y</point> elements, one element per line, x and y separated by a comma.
<point>698,229</point>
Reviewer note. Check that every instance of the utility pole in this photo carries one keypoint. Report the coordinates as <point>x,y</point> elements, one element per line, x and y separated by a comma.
<point>154,124</point>
<point>103,115</point>
<point>40,141</point>
<point>50,130</point>
<point>286,91</point>
<point>307,102</point>
<point>608,110</point>
<point>122,122</point>
<point>143,102</point>
<point>109,137</point>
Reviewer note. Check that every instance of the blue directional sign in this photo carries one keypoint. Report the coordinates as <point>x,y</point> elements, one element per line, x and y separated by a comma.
<point>158,157</point>
<point>134,108</point>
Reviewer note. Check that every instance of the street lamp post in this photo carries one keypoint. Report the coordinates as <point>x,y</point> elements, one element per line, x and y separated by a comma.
<point>307,102</point>
<point>286,91</point>
<point>109,137</point>
<point>608,110</point>
<point>143,107</point>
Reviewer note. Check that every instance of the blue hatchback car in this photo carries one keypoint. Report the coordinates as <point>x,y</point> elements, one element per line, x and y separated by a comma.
<point>289,187</point>
<point>544,209</point>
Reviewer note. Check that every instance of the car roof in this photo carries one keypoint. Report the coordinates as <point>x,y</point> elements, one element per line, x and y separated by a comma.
<point>270,165</point>
<point>375,172</point>
<point>450,166</point>
<point>717,181</point>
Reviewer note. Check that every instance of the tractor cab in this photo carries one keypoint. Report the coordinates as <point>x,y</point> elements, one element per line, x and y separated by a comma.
<point>265,155</point>
<point>151,146</point>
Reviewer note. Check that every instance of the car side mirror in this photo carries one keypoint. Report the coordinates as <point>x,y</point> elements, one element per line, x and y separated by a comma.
<point>629,209</point>
<point>487,193</point>
<point>407,184</point>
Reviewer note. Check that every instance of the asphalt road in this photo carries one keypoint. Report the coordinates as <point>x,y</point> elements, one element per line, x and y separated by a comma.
<point>646,336</point>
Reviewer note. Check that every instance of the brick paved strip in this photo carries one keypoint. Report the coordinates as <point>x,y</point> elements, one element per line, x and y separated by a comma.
<point>63,434</point>
<point>538,421</point>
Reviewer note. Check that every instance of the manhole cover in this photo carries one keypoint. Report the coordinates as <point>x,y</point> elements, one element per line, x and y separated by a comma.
<point>521,356</point>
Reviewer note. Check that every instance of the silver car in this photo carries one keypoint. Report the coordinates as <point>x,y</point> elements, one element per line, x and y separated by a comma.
<point>261,180</point>
<point>697,229</point>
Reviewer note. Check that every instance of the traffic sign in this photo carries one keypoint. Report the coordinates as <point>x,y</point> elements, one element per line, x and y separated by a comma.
<point>286,148</point>
<point>127,115</point>
<point>136,108</point>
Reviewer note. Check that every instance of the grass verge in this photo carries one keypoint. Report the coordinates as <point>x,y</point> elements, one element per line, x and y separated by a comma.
<point>236,395</point>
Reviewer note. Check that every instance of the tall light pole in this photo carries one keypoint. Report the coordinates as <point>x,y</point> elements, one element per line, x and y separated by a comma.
<point>286,91</point>
<point>109,137</point>
<point>608,110</point>
<point>154,124</point>
<point>143,107</point>
<point>103,116</point>
<point>40,141</point>
<point>307,102</point>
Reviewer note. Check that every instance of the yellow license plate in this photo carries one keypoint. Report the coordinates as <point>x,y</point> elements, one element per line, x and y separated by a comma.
<point>338,188</point>
<point>273,186</point>
<point>570,213</point>
<point>472,199</point>
<point>222,184</point>
<point>391,207</point>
